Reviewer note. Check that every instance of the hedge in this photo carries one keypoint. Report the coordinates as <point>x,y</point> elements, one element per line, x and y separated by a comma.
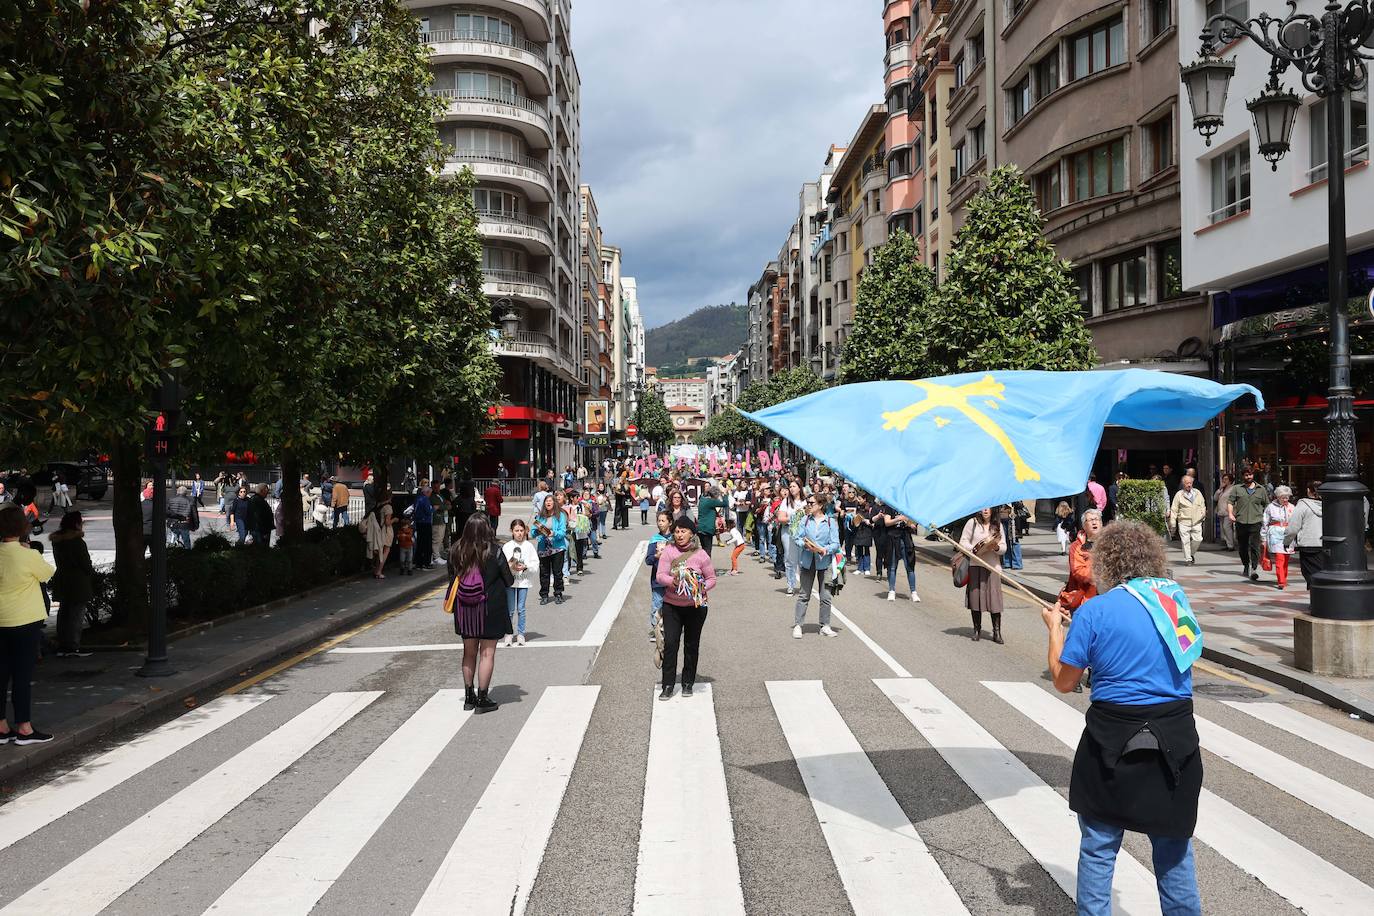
<point>214,579</point>
<point>1143,501</point>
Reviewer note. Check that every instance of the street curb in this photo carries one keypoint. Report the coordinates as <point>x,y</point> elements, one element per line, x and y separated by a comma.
<point>105,719</point>
<point>1290,679</point>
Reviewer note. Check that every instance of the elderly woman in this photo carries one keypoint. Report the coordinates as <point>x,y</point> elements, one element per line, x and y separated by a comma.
<point>1080,587</point>
<point>1277,515</point>
<point>1138,765</point>
<point>22,614</point>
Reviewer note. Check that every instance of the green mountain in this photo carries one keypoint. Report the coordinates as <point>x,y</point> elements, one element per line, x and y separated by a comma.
<point>716,330</point>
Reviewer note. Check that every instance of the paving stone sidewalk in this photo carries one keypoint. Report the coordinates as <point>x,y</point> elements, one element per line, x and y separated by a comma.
<point>81,699</point>
<point>1248,625</point>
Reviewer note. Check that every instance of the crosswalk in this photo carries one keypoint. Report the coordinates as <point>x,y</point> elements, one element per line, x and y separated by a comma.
<point>688,859</point>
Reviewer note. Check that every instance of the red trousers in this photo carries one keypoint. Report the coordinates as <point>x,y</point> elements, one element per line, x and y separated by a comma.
<point>1281,568</point>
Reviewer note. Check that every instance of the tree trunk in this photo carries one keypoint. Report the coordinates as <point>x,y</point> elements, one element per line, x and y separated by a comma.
<point>131,606</point>
<point>292,511</point>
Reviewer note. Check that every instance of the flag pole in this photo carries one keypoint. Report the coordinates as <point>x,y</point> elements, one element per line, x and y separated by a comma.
<point>995,570</point>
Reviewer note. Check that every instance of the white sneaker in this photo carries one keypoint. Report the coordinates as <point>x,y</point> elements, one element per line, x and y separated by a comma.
<point>915,598</point>
<point>520,640</point>
<point>796,632</point>
<point>791,591</point>
<point>826,631</point>
<point>505,641</point>
<point>891,596</point>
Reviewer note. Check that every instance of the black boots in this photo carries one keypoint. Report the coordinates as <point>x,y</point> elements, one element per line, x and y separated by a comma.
<point>977,625</point>
<point>997,628</point>
<point>478,700</point>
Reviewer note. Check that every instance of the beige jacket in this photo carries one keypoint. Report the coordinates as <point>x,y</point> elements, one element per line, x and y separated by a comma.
<point>1188,512</point>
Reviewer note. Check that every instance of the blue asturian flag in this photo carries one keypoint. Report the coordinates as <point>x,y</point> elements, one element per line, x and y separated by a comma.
<point>941,449</point>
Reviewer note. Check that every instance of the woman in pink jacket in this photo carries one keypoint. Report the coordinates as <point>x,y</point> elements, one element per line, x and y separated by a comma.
<point>685,570</point>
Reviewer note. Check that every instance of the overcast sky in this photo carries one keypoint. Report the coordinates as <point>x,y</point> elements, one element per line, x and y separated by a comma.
<point>700,121</point>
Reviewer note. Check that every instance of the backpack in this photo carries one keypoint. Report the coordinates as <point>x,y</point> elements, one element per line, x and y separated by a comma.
<point>651,555</point>
<point>468,601</point>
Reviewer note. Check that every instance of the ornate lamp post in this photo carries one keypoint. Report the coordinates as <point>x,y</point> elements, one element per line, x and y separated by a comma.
<point>1329,52</point>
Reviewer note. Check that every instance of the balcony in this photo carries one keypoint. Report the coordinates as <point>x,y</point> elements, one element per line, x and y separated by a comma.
<point>520,284</point>
<point>529,117</point>
<point>530,232</point>
<point>529,175</point>
<point>526,344</point>
<point>899,55</point>
<point>484,47</point>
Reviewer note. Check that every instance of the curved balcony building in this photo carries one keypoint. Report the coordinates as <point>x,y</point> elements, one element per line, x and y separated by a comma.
<point>509,83</point>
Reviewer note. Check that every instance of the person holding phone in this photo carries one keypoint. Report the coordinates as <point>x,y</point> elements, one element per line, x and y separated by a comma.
<point>819,540</point>
<point>520,556</point>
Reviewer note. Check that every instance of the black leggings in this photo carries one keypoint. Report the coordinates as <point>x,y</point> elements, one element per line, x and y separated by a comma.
<point>552,565</point>
<point>677,622</point>
<point>18,655</point>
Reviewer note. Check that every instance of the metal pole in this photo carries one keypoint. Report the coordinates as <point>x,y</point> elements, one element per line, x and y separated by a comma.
<point>1345,589</point>
<point>155,664</point>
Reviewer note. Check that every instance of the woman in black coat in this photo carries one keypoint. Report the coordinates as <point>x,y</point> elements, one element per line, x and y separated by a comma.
<point>73,584</point>
<point>479,574</point>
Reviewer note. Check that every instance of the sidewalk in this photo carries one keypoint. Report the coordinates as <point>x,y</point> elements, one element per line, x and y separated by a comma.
<point>1246,625</point>
<point>81,699</point>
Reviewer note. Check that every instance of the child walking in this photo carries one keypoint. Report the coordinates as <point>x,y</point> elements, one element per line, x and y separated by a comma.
<point>520,555</point>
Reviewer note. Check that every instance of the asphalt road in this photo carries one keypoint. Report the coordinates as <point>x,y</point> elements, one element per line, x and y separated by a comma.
<point>873,774</point>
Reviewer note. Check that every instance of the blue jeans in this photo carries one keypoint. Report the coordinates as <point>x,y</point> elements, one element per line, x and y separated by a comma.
<point>898,552</point>
<point>1174,872</point>
<point>593,542</point>
<point>789,550</point>
<point>179,537</point>
<point>515,603</point>
<point>242,527</point>
<point>655,603</point>
<point>601,523</point>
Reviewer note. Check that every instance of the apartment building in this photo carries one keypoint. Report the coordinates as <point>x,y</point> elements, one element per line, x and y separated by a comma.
<point>624,351</point>
<point>607,322</point>
<point>1255,238</point>
<point>858,222</point>
<point>760,343</point>
<point>687,392</point>
<point>507,75</point>
<point>904,195</point>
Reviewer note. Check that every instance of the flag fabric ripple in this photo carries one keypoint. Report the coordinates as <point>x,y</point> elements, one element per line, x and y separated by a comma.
<point>941,449</point>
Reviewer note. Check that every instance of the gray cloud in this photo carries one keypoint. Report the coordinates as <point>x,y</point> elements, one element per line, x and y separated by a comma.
<point>700,121</point>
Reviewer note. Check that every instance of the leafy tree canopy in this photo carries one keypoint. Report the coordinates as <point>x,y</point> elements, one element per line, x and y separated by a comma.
<point>652,417</point>
<point>1007,301</point>
<point>895,305</point>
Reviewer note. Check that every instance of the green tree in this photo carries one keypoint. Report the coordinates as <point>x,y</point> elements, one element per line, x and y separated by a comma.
<point>652,417</point>
<point>895,304</point>
<point>1007,301</point>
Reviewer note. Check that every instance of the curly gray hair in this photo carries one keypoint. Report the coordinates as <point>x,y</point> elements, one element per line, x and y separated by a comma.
<point>1283,491</point>
<point>1127,550</point>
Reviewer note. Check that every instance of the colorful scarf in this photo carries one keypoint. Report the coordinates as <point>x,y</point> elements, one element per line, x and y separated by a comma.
<point>1173,616</point>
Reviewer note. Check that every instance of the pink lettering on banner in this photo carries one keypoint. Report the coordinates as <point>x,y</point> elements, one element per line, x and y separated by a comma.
<point>639,467</point>
<point>777,461</point>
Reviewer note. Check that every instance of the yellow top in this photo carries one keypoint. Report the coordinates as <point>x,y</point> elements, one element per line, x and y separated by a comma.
<point>21,570</point>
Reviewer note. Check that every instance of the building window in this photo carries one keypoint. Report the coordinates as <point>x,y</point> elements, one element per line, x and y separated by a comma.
<point>933,125</point>
<point>961,163</point>
<point>1045,74</point>
<point>935,264</point>
<point>479,84</point>
<point>1047,190</point>
<point>919,221</point>
<point>495,144</point>
<point>1019,99</point>
<point>1231,183</point>
<point>493,202</point>
<point>899,163</point>
<point>900,223</point>
<point>494,258</point>
<point>1356,140</point>
<point>974,51</point>
<point>917,154</point>
<point>960,71</point>
<point>897,98</point>
<point>1157,147</point>
<point>1169,270</point>
<point>1083,279</point>
<point>934,197</point>
<point>1237,8</point>
<point>483,28</point>
<point>896,36</point>
<point>1157,16</point>
<point>1098,171</point>
<point>1097,48</point>
<point>1123,281</point>
<point>977,142</point>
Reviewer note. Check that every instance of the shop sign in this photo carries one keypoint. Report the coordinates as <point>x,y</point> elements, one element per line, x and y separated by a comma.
<point>1304,447</point>
<point>508,431</point>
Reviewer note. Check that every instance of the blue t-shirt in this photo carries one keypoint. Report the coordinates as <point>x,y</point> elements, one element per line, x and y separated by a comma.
<point>1114,635</point>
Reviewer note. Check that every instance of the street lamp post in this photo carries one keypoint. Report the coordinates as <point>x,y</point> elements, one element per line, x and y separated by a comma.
<point>1329,53</point>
